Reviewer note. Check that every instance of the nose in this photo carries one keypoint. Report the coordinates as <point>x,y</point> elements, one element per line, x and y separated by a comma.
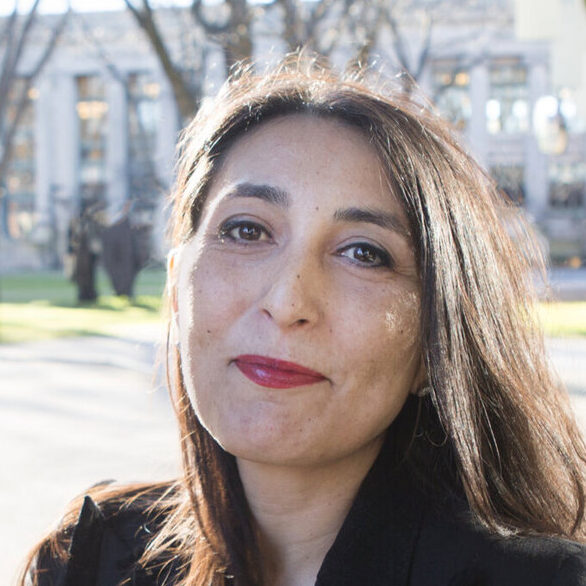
<point>293,295</point>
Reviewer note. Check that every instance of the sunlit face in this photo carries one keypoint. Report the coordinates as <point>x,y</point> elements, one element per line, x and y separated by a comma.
<point>298,297</point>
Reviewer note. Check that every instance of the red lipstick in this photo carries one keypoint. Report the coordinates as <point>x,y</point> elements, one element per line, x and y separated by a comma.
<point>276,374</point>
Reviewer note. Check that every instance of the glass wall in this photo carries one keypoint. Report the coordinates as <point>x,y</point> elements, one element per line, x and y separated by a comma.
<point>567,185</point>
<point>143,122</point>
<point>452,93</point>
<point>507,110</point>
<point>92,112</point>
<point>19,183</point>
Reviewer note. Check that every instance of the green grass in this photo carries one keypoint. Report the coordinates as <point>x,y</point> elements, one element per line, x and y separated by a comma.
<point>53,287</point>
<point>44,305</point>
<point>563,319</point>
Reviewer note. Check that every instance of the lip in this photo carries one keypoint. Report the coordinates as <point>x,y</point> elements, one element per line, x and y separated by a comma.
<point>274,373</point>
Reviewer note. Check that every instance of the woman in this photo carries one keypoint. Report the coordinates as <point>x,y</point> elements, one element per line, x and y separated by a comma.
<point>361,390</point>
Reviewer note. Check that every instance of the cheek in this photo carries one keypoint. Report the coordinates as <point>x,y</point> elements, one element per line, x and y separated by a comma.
<point>402,318</point>
<point>385,341</point>
<point>208,299</point>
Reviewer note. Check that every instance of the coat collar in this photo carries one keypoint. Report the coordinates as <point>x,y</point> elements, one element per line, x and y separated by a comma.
<point>378,538</point>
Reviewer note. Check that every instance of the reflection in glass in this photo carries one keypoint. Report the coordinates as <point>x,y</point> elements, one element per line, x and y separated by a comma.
<point>567,185</point>
<point>507,110</point>
<point>92,113</point>
<point>452,92</point>
<point>19,182</point>
<point>143,123</point>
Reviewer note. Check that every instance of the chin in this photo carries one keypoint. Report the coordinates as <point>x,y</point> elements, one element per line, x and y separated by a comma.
<point>268,444</point>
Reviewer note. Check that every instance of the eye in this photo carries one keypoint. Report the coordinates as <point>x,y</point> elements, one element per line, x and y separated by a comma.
<point>366,254</point>
<point>243,230</point>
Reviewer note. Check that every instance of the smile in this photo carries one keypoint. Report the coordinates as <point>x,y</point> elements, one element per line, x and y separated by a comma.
<point>275,374</point>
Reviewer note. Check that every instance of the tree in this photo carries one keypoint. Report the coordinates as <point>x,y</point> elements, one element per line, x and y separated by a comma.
<point>15,36</point>
<point>412,26</point>
<point>230,24</point>
<point>320,26</point>
<point>186,88</point>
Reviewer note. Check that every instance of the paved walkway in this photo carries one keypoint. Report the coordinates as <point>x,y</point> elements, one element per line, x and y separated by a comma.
<point>79,410</point>
<point>74,412</point>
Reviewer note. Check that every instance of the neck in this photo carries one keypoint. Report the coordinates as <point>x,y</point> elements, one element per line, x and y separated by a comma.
<point>299,511</point>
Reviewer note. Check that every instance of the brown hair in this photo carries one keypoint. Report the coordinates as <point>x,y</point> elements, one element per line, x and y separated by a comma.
<point>496,427</point>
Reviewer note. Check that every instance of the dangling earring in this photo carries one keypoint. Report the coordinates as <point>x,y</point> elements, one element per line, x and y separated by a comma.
<point>423,391</point>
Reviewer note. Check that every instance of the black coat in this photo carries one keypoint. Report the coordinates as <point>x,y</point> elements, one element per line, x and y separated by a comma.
<point>393,536</point>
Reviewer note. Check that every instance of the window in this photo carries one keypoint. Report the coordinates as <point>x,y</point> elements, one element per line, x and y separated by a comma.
<point>143,122</point>
<point>567,185</point>
<point>452,92</point>
<point>19,182</point>
<point>568,107</point>
<point>507,110</point>
<point>92,112</point>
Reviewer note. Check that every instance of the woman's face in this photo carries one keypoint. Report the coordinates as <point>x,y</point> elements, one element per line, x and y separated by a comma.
<point>298,297</point>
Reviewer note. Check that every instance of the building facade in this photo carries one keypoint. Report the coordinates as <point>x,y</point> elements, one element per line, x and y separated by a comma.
<point>101,125</point>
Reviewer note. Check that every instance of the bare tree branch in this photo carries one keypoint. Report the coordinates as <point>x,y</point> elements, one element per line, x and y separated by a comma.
<point>425,49</point>
<point>399,44</point>
<point>301,24</point>
<point>318,14</point>
<point>371,25</point>
<point>211,27</point>
<point>463,64</point>
<point>7,71</point>
<point>234,35</point>
<point>10,74</point>
<point>8,27</point>
<point>185,99</point>
<point>24,34</point>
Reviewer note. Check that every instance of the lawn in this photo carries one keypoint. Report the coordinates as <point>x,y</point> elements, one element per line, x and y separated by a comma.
<point>43,305</point>
<point>563,319</point>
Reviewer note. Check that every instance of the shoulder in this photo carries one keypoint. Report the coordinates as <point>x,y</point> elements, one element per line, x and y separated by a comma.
<point>465,554</point>
<point>102,536</point>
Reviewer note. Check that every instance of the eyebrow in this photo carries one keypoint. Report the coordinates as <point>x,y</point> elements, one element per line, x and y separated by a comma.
<point>268,193</point>
<point>380,218</point>
<point>279,197</point>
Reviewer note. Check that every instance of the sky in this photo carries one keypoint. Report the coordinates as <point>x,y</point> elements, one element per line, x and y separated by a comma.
<point>51,6</point>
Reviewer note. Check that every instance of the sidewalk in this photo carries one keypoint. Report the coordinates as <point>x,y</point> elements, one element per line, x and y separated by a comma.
<point>75,411</point>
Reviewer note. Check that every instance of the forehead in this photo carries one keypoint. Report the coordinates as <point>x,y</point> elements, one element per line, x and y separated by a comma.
<point>304,153</point>
<point>333,134</point>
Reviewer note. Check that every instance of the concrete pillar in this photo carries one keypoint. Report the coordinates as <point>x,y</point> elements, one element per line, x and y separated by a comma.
<point>44,164</point>
<point>167,136</point>
<point>117,147</point>
<point>536,163</point>
<point>58,155</point>
<point>479,94</point>
<point>167,132</point>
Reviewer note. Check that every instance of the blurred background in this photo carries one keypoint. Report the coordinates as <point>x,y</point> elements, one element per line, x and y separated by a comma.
<point>93,95</point>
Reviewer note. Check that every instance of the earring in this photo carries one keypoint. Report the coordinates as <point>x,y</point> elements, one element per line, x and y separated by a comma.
<point>423,391</point>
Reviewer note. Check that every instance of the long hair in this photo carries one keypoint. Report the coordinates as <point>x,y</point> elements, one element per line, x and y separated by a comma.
<point>496,427</point>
